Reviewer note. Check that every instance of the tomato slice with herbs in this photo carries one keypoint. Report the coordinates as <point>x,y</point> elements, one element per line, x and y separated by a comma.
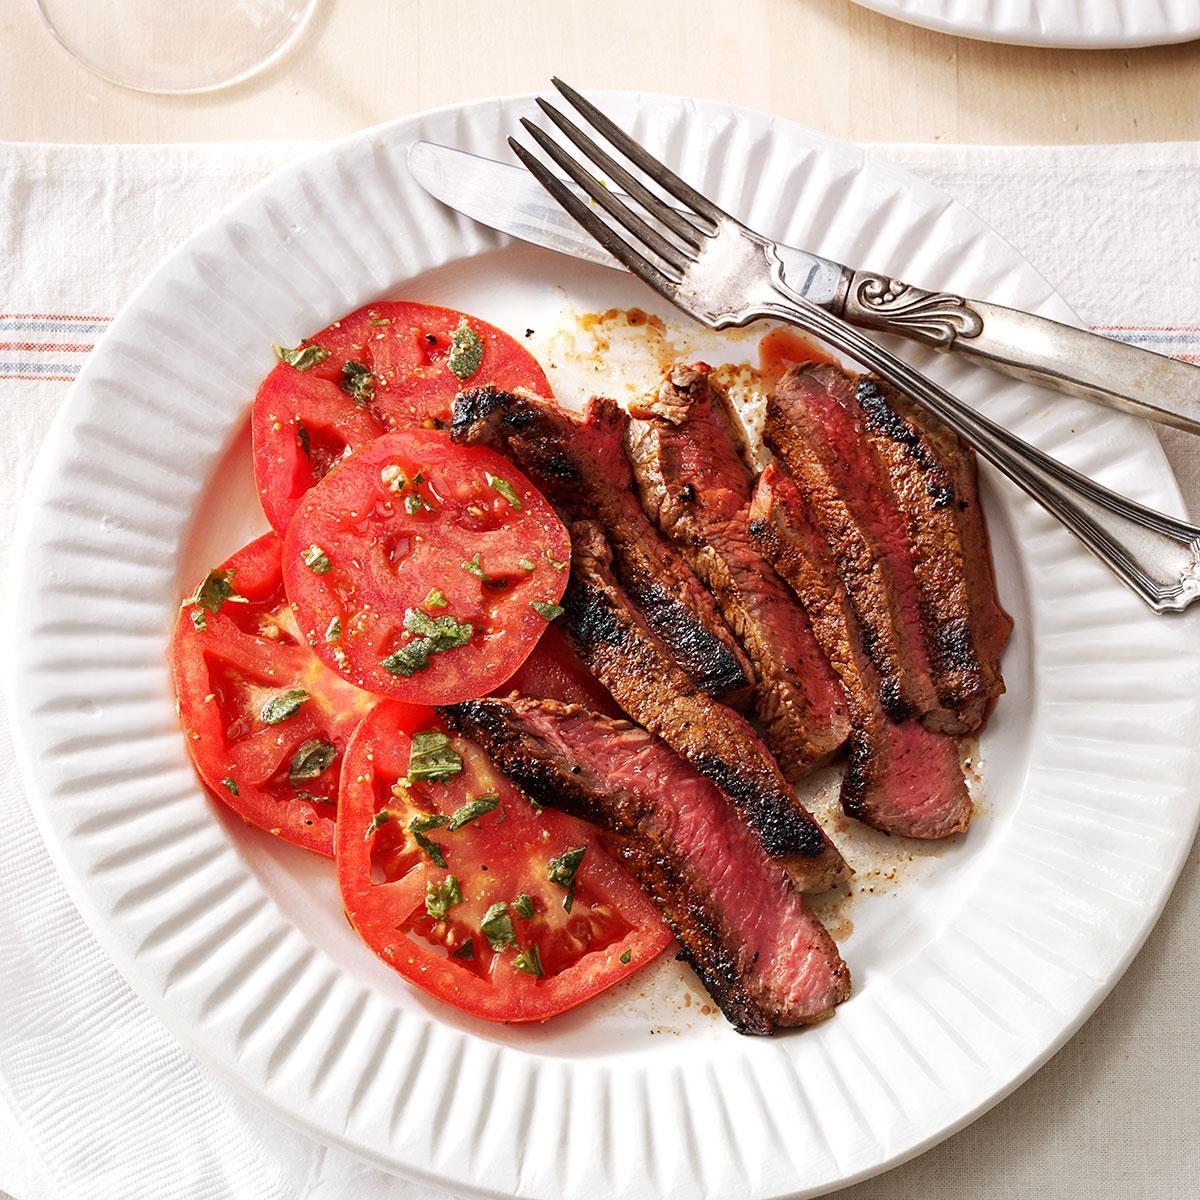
<point>267,724</point>
<point>555,672</point>
<point>458,882</point>
<point>425,571</point>
<point>391,365</point>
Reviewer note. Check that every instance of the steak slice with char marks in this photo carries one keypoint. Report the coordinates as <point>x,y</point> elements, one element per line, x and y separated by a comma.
<point>625,655</point>
<point>695,483</point>
<point>580,464</point>
<point>762,955</point>
<point>947,511</point>
<point>902,777</point>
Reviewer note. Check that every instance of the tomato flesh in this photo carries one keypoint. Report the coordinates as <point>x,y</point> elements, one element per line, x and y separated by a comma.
<point>226,672</point>
<point>306,420</point>
<point>499,857</point>
<point>555,672</point>
<point>412,524</point>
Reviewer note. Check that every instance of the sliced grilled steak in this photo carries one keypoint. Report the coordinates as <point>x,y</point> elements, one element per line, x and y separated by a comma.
<point>764,958</point>
<point>944,512</point>
<point>625,655</point>
<point>581,466</point>
<point>816,427</point>
<point>902,777</point>
<point>686,456</point>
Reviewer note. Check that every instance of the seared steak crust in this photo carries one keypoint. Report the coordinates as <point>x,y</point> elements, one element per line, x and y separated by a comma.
<point>695,483</point>
<point>621,650</point>
<point>581,466</point>
<point>763,957</point>
<point>901,777</point>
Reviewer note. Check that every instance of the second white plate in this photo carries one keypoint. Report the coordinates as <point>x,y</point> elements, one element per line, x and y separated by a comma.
<point>970,970</point>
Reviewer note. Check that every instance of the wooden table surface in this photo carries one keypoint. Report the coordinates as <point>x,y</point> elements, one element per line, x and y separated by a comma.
<point>826,63</point>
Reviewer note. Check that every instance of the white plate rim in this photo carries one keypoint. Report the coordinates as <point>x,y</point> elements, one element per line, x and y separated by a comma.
<point>1069,24</point>
<point>23,688</point>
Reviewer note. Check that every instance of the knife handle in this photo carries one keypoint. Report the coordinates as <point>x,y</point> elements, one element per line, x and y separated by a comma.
<point>1036,348</point>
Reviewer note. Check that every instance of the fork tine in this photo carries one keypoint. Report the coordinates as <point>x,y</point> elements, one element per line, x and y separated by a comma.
<point>626,182</point>
<point>604,233</point>
<point>640,156</point>
<point>669,252</point>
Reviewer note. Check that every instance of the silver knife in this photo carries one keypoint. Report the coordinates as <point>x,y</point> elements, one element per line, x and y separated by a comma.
<point>1018,343</point>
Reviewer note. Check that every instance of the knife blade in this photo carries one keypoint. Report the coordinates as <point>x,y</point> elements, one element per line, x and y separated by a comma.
<point>1018,343</point>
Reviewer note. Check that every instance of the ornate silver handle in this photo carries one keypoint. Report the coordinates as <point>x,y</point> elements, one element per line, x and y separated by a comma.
<point>1018,343</point>
<point>1155,555</point>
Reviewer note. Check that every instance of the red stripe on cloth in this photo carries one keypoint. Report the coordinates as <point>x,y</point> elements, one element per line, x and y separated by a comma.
<point>52,378</point>
<point>69,347</point>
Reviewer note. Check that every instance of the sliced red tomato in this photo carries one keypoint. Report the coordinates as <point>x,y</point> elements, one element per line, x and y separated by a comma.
<point>455,880</point>
<point>267,725</point>
<point>423,570</point>
<point>555,672</point>
<point>391,365</point>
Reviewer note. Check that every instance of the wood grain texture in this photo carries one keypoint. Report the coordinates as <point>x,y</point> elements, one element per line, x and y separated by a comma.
<point>826,63</point>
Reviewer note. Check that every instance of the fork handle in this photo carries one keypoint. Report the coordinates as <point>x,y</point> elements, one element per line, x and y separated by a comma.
<point>1156,556</point>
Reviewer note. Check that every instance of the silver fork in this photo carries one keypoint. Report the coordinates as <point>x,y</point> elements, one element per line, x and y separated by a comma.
<point>723,274</point>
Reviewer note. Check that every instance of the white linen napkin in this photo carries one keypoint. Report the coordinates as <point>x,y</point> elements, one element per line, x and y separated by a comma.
<point>99,1102</point>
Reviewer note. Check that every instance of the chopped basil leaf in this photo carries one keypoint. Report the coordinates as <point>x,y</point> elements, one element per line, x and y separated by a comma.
<point>548,612</point>
<point>505,489</point>
<point>473,567</point>
<point>216,589</point>
<point>333,631</point>
<point>435,850</point>
<point>526,564</point>
<point>286,704</point>
<point>432,757</point>
<point>316,560</point>
<point>440,898</point>
<point>562,870</point>
<point>472,809</point>
<point>303,438</point>
<point>230,783</point>
<point>465,951</point>
<point>558,566</point>
<point>435,635</point>
<point>314,758</point>
<point>466,351</point>
<point>302,357</point>
<point>436,599</point>
<point>523,906</point>
<point>529,961</point>
<point>414,504</point>
<point>381,818</point>
<point>626,957</point>
<point>358,383</point>
<point>200,620</point>
<point>427,821</point>
<point>497,927</point>
<point>380,321</point>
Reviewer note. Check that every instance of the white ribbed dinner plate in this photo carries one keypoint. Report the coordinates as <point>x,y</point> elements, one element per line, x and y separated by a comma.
<point>1072,24</point>
<point>971,966</point>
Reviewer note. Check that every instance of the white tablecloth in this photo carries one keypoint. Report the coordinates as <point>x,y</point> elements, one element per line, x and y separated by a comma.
<point>98,1102</point>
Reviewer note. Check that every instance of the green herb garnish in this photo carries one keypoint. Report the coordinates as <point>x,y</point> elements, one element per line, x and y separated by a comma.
<point>414,504</point>
<point>505,489</point>
<point>200,620</point>
<point>548,612</point>
<point>216,589</point>
<point>435,635</point>
<point>303,358</point>
<point>358,383</point>
<point>497,927</point>
<point>314,758</point>
<point>523,906</point>
<point>230,783</point>
<point>472,809</point>
<point>526,564</point>
<point>435,850</point>
<point>380,321</point>
<point>440,898</point>
<point>473,567</point>
<point>316,560</point>
<point>626,956</point>
<point>529,961</point>
<point>432,757</point>
<point>466,951</point>
<point>558,566</point>
<point>466,351</point>
<point>436,599</point>
<point>333,631</point>
<point>561,871</point>
<point>280,708</point>
<point>381,818</point>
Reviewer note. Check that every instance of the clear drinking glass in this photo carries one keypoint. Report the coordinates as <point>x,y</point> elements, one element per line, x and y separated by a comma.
<point>175,46</point>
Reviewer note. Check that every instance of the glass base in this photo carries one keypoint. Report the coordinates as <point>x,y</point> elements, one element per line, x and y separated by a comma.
<point>173,47</point>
